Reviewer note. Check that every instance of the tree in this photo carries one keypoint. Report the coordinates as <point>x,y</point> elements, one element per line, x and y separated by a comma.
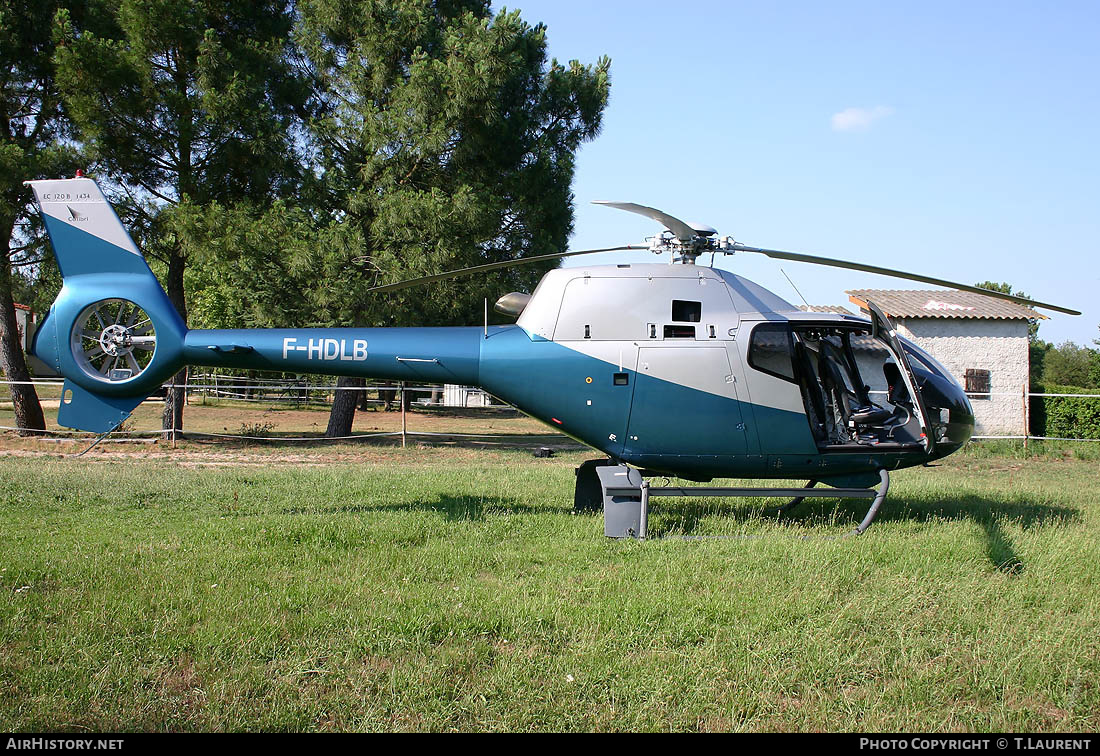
<point>185,103</point>
<point>1069,364</point>
<point>242,270</point>
<point>1037,357</point>
<point>32,145</point>
<point>1094,365</point>
<point>444,138</point>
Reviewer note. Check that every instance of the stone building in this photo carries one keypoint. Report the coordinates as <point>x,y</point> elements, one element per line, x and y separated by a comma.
<point>24,323</point>
<point>982,340</point>
<point>464,396</point>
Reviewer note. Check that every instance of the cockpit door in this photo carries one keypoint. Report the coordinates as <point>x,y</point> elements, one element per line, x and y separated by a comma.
<point>685,403</point>
<point>884,333</point>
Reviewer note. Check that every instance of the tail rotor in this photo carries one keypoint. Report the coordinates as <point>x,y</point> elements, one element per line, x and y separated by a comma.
<point>114,340</point>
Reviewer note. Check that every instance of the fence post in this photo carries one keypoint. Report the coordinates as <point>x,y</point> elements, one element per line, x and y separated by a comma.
<point>1027,417</point>
<point>401,399</point>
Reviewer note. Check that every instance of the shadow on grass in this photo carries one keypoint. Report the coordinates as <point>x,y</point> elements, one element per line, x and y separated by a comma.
<point>685,516</point>
<point>450,507</point>
<point>991,514</point>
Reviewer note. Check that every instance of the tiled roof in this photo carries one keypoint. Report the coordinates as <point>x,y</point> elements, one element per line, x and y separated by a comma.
<point>941,303</point>
<point>838,309</point>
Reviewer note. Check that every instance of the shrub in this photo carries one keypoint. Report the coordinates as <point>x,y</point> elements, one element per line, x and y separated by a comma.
<point>1063,416</point>
<point>256,430</point>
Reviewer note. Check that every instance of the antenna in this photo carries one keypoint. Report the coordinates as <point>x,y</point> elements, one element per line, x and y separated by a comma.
<point>796,291</point>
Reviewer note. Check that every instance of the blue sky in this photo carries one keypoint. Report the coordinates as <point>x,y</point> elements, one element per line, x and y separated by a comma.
<point>957,140</point>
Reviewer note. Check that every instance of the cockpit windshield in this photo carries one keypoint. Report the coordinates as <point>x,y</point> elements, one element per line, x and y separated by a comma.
<point>923,359</point>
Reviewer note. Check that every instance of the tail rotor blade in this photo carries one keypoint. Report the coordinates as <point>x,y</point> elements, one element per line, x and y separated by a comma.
<point>796,257</point>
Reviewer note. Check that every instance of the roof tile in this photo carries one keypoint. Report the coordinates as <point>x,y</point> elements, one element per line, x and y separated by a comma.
<point>941,303</point>
<point>838,309</point>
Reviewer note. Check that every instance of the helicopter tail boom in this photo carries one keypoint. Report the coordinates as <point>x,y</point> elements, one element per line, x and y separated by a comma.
<point>116,337</point>
<point>422,355</point>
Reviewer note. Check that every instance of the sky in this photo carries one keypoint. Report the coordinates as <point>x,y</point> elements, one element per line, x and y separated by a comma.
<point>956,140</point>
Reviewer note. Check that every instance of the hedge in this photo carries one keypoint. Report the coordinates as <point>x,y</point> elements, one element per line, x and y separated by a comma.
<point>1063,416</point>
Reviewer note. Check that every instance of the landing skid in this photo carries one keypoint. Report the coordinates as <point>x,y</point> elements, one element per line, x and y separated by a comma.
<point>797,500</point>
<point>625,497</point>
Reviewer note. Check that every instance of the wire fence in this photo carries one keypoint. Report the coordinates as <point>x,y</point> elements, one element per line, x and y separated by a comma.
<point>298,393</point>
<point>280,391</point>
<point>289,393</point>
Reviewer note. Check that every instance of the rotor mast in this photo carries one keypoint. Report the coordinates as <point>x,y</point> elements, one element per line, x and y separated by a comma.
<point>685,252</point>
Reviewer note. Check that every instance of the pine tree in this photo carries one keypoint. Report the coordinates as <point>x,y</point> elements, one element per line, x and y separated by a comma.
<point>444,138</point>
<point>185,103</point>
<point>32,133</point>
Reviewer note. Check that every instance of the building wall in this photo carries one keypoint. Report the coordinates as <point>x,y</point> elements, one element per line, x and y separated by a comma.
<point>464,396</point>
<point>999,346</point>
<point>24,321</point>
<point>23,324</point>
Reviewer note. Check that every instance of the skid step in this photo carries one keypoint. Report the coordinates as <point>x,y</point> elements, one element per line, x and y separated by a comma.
<point>626,498</point>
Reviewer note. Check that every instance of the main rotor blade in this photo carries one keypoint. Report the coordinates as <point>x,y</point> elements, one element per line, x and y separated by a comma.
<point>683,231</point>
<point>780,255</point>
<point>495,266</point>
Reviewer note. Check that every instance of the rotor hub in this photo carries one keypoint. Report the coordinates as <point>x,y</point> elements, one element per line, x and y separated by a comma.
<point>116,340</point>
<point>686,250</point>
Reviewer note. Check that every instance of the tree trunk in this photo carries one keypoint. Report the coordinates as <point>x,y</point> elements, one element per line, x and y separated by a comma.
<point>388,396</point>
<point>172,419</point>
<point>343,408</point>
<point>13,363</point>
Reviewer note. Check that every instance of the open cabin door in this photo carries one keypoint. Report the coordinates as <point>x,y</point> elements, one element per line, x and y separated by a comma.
<point>883,332</point>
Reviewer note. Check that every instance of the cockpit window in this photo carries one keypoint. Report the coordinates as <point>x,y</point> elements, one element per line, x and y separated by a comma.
<point>770,350</point>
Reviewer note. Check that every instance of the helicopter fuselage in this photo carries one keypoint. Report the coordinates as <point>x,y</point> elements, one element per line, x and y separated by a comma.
<point>678,370</point>
<point>658,366</point>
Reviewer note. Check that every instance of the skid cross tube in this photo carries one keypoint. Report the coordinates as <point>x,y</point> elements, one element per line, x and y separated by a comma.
<point>627,493</point>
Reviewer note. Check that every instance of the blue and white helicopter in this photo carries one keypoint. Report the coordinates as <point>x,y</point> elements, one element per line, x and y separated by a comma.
<point>668,369</point>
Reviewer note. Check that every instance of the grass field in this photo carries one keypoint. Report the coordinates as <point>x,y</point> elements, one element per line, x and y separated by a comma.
<point>367,587</point>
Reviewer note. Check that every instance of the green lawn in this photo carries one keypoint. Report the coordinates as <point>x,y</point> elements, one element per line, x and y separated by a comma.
<point>440,589</point>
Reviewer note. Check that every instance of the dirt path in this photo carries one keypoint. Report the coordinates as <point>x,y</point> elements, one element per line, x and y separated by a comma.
<point>230,453</point>
<point>457,434</point>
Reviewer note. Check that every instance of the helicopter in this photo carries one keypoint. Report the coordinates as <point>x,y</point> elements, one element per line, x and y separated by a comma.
<point>669,369</point>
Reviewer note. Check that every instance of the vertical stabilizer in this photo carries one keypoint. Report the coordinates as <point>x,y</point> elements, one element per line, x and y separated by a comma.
<point>86,233</point>
<point>112,332</point>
